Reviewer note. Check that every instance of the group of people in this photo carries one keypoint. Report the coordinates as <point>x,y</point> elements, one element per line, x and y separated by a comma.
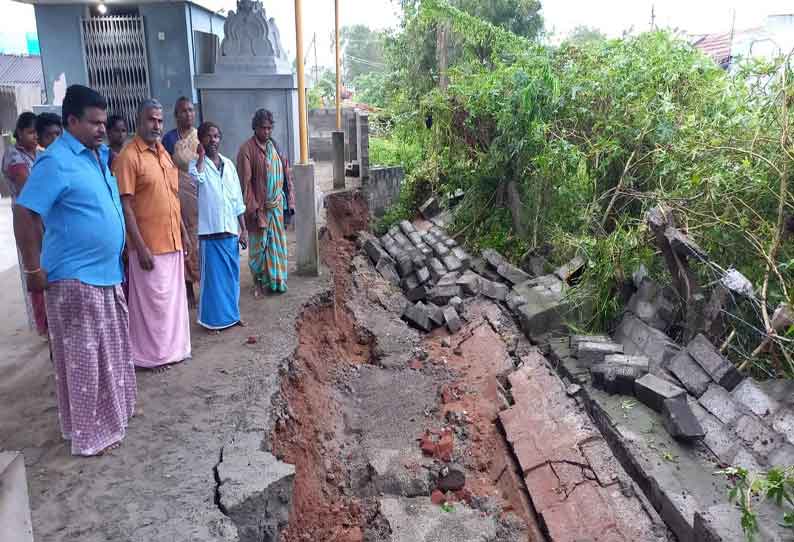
<point>112,238</point>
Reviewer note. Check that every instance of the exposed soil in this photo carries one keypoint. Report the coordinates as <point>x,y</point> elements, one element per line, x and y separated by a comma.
<point>335,496</point>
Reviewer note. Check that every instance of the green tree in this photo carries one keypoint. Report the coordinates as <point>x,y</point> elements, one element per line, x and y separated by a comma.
<point>521,17</point>
<point>582,35</point>
<point>363,51</point>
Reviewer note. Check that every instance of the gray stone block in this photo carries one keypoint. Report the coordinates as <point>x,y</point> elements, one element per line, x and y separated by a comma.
<point>418,316</point>
<point>436,314</point>
<point>402,241</point>
<point>565,272</point>
<point>457,304</point>
<point>422,275</point>
<point>440,250</point>
<point>469,283</point>
<point>437,269</point>
<point>718,368</point>
<point>652,391</point>
<point>387,271</point>
<point>426,252</point>
<point>493,258</point>
<point>720,403</point>
<point>493,290</point>
<point>616,377</point>
<point>640,362</point>
<point>394,230</point>
<point>783,456</point>
<point>452,263</point>
<point>638,337</point>
<point>450,243</point>
<point>679,420</point>
<point>576,340</point>
<point>514,300</point>
<point>750,394</point>
<point>418,260</point>
<point>255,489</point>
<point>450,278</point>
<point>393,249</point>
<point>442,293</point>
<point>593,353</point>
<point>417,293</point>
<point>374,250</point>
<point>511,273</point>
<point>410,282</point>
<point>689,373</point>
<point>429,208</point>
<point>386,239</point>
<point>783,423</point>
<point>760,437</point>
<point>452,319</point>
<point>405,265</point>
<point>406,227</point>
<point>539,316</point>
<point>462,255</point>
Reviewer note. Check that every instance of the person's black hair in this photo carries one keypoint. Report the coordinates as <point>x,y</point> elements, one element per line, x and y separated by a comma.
<point>112,120</point>
<point>261,116</point>
<point>24,121</point>
<point>45,120</point>
<point>205,128</point>
<point>79,98</point>
<point>180,100</point>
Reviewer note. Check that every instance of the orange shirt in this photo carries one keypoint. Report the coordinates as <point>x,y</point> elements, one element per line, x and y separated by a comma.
<point>153,179</point>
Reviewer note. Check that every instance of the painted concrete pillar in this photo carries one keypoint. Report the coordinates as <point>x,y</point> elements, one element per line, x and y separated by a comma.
<point>338,140</point>
<point>308,256</point>
<point>15,524</point>
<point>362,142</point>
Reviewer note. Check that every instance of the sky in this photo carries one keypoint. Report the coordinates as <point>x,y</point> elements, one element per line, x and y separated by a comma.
<point>610,16</point>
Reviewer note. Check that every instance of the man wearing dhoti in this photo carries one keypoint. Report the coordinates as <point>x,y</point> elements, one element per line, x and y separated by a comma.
<point>78,266</point>
<point>149,186</point>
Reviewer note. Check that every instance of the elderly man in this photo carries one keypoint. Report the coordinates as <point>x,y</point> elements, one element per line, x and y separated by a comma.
<point>221,227</point>
<point>78,266</point>
<point>159,325</point>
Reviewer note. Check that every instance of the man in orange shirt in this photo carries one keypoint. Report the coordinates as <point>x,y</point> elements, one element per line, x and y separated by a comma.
<point>149,186</point>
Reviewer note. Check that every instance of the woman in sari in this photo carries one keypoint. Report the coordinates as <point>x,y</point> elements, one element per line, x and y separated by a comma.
<point>267,190</point>
<point>17,163</point>
<point>184,154</point>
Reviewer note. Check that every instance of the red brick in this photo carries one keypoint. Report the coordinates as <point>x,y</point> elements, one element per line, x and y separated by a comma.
<point>445,446</point>
<point>427,445</point>
<point>438,497</point>
<point>544,488</point>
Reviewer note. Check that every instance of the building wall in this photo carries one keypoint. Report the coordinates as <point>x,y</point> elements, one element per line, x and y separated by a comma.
<point>58,27</point>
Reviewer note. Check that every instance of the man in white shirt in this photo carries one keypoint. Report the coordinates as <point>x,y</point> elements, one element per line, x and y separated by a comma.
<point>221,229</point>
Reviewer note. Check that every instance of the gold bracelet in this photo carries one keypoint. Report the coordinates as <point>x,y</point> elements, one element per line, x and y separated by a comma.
<point>31,272</point>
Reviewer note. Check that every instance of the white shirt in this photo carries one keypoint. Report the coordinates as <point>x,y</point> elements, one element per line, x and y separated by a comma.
<point>220,199</point>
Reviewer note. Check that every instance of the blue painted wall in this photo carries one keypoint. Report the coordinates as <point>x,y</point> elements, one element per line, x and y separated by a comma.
<point>58,28</point>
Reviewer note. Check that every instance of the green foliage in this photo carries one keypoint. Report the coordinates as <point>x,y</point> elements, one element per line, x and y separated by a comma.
<point>584,35</point>
<point>370,89</point>
<point>362,51</point>
<point>571,146</point>
<point>776,485</point>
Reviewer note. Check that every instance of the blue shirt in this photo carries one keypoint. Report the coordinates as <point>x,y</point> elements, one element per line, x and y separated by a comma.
<point>78,201</point>
<point>220,198</point>
<point>169,140</point>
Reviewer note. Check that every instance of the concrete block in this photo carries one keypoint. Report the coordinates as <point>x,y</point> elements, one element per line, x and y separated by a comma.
<point>718,368</point>
<point>593,353</point>
<point>405,265</point>
<point>422,275</point>
<point>442,293</point>
<point>394,230</point>
<point>406,227</point>
<point>538,317</point>
<point>436,314</point>
<point>255,489</point>
<point>436,268</point>
<point>387,270</point>
<point>576,340</point>
<point>469,283</point>
<point>417,293</point>
<point>15,522</point>
<point>759,436</point>
<point>754,398</point>
<point>511,273</point>
<point>452,263</point>
<point>418,260</point>
<point>638,337</point>
<point>679,420</point>
<point>307,247</point>
<point>410,282</point>
<point>565,272</point>
<point>452,319</point>
<point>449,279</point>
<point>493,290</point>
<point>653,391</point>
<point>375,252</point>
<point>493,258</point>
<point>514,300</point>
<point>418,316</point>
<point>463,256</point>
<point>415,238</point>
<point>338,144</point>
<point>616,377</point>
<point>403,241</point>
<point>457,304</point>
<point>429,208</point>
<point>640,362</point>
<point>450,243</point>
<point>783,423</point>
<point>440,250</point>
<point>720,404</point>
<point>689,373</point>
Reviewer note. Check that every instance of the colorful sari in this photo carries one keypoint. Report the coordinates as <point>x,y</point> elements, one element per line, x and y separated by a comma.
<point>268,256</point>
<point>17,163</point>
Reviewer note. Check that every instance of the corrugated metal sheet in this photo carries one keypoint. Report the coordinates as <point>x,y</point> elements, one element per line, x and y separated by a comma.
<point>20,70</point>
<point>717,46</point>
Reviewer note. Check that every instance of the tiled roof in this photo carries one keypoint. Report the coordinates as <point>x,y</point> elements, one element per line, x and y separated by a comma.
<point>16,70</point>
<point>717,46</point>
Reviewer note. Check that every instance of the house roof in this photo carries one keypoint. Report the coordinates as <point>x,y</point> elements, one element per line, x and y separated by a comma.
<point>717,46</point>
<point>20,70</point>
<point>206,4</point>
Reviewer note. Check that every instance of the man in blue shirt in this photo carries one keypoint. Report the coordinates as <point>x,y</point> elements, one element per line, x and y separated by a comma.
<point>72,197</point>
<point>221,227</point>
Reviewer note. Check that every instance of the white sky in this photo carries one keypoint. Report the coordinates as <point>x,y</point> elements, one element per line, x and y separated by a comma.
<point>610,16</point>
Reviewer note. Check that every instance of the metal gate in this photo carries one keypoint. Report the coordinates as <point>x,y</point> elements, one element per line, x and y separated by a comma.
<point>115,57</point>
